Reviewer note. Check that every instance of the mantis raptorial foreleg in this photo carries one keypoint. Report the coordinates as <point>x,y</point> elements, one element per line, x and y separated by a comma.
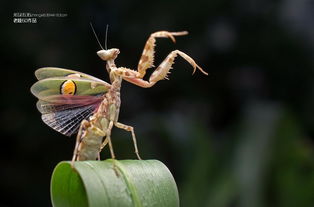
<point>147,59</point>
<point>159,74</point>
<point>130,129</point>
<point>164,68</point>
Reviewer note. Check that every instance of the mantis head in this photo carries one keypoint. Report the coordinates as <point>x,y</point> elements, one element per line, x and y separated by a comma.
<point>110,54</point>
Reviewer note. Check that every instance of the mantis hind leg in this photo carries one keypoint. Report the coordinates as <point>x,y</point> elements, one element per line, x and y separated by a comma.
<point>130,129</point>
<point>88,142</point>
<point>79,136</point>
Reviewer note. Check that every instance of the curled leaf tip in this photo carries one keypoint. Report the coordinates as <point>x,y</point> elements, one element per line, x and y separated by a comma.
<point>131,183</point>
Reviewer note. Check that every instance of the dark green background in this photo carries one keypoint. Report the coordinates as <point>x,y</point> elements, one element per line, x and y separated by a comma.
<point>240,137</point>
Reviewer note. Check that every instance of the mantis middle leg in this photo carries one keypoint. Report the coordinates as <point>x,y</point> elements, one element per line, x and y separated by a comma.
<point>130,129</point>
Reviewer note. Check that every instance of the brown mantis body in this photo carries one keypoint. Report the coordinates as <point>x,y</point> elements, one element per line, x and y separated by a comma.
<point>95,133</point>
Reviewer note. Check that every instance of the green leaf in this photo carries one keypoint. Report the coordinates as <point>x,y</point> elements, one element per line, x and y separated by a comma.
<point>138,183</point>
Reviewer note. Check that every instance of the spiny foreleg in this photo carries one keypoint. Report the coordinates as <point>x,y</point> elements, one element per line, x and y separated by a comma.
<point>163,69</point>
<point>147,59</point>
<point>160,73</point>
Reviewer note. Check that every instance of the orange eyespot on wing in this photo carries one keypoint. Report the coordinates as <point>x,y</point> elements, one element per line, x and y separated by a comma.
<point>68,87</point>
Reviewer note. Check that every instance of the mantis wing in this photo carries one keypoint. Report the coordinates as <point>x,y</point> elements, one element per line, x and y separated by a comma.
<point>67,97</point>
<point>49,72</point>
<point>66,117</point>
<point>47,88</point>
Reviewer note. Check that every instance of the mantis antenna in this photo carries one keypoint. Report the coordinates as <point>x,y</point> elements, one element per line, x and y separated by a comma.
<point>106,36</point>
<point>97,37</point>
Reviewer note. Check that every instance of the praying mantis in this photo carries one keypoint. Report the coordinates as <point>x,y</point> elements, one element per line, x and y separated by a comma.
<point>71,101</point>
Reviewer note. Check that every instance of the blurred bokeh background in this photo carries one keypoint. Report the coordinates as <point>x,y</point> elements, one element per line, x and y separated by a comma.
<point>240,137</point>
